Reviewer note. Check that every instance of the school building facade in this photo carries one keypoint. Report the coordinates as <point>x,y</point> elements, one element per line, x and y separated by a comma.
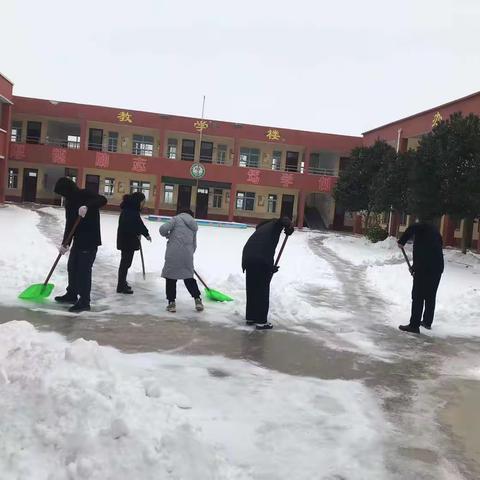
<point>247,172</point>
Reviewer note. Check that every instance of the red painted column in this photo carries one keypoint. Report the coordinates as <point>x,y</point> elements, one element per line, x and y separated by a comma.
<point>159,193</point>
<point>301,209</point>
<point>231,206</point>
<point>5,125</point>
<point>83,134</point>
<point>81,178</point>
<point>448,232</point>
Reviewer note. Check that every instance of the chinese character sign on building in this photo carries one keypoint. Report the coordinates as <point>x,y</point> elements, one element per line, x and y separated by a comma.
<point>437,118</point>
<point>125,117</point>
<point>102,160</point>
<point>273,134</point>
<point>253,176</point>
<point>200,125</point>
<point>59,156</point>
<point>286,179</point>
<point>325,184</point>
<point>139,165</point>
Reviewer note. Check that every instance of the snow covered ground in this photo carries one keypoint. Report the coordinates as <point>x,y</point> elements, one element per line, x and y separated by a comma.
<point>81,411</point>
<point>458,299</point>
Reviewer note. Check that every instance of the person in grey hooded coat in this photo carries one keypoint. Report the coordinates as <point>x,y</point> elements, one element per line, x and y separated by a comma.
<point>181,232</point>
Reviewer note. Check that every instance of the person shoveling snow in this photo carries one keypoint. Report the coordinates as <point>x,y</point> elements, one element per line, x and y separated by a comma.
<point>258,263</point>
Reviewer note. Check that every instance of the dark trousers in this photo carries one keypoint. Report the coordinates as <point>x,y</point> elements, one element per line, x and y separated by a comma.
<point>125,264</point>
<point>190,283</point>
<point>80,263</point>
<point>258,292</point>
<point>424,292</point>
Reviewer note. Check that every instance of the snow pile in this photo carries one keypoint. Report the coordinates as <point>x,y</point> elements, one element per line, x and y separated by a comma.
<point>81,411</point>
<point>360,251</point>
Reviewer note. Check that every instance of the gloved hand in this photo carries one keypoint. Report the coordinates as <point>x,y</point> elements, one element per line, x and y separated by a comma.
<point>412,271</point>
<point>286,222</point>
<point>289,230</point>
<point>82,211</point>
<point>63,249</point>
<point>149,238</point>
<point>275,269</point>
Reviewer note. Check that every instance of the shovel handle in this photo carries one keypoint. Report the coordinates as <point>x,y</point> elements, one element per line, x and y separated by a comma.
<point>59,256</point>
<point>406,259</point>
<point>281,251</point>
<point>141,256</point>
<point>200,278</point>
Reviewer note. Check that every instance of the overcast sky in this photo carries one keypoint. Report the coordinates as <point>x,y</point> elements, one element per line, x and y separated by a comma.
<point>341,66</point>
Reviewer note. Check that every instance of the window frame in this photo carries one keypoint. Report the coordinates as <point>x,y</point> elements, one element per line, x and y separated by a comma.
<point>275,166</point>
<point>17,127</point>
<point>207,158</point>
<point>186,156</point>
<point>112,142</point>
<point>169,192</point>
<point>12,175</point>
<point>222,154</point>
<point>244,200</point>
<point>217,198</point>
<point>248,152</point>
<point>110,183</point>
<point>272,200</point>
<point>140,143</point>
<point>172,148</point>
<point>142,186</point>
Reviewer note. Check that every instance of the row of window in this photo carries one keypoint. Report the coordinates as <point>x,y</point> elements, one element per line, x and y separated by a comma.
<point>246,201</point>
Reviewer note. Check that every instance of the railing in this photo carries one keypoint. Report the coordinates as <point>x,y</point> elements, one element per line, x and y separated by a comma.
<point>62,142</point>
<point>291,168</point>
<point>328,172</point>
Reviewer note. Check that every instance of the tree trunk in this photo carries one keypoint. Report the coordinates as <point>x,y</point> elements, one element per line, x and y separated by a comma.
<point>467,234</point>
<point>367,219</point>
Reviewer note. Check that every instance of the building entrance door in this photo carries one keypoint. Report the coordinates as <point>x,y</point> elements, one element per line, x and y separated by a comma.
<point>201,210</point>
<point>92,183</point>
<point>184,197</point>
<point>287,206</point>
<point>29,191</point>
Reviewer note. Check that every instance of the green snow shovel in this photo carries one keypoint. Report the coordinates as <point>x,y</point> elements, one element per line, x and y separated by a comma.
<point>214,295</point>
<point>39,291</point>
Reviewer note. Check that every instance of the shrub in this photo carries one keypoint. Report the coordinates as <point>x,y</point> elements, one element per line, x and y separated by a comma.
<point>376,233</point>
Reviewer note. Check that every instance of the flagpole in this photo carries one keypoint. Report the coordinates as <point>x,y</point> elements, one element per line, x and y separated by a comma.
<point>200,147</point>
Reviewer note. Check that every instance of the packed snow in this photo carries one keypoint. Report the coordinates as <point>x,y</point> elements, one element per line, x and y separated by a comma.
<point>73,411</point>
<point>458,296</point>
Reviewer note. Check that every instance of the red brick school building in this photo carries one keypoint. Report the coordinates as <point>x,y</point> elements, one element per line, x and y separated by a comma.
<point>246,172</point>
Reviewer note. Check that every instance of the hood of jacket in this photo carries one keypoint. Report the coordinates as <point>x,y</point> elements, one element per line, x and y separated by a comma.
<point>65,187</point>
<point>189,221</point>
<point>133,201</point>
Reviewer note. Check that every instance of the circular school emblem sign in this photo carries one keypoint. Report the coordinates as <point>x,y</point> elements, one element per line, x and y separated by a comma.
<point>197,170</point>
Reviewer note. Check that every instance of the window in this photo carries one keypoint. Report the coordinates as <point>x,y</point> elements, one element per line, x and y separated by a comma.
<point>206,152</point>
<point>139,186</point>
<point>222,154</point>
<point>276,160</point>
<point>168,194</point>
<point>112,142</point>
<point>291,164</point>
<point>142,145</point>
<point>16,135</point>
<point>13,178</point>
<point>217,197</point>
<point>172,148</point>
<point>272,204</point>
<point>109,188</point>
<point>188,149</point>
<point>73,141</point>
<point>249,157</point>
<point>245,201</point>
<point>95,139</point>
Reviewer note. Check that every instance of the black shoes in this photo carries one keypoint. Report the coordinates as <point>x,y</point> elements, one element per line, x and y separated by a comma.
<point>126,289</point>
<point>409,329</point>
<point>264,326</point>
<point>79,307</point>
<point>67,298</point>
<point>424,325</point>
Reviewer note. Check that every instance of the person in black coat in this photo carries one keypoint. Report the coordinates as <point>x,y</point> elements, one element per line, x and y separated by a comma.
<point>86,240</point>
<point>258,263</point>
<point>130,227</point>
<point>427,271</point>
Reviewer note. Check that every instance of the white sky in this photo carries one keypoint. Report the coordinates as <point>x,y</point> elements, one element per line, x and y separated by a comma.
<point>342,66</point>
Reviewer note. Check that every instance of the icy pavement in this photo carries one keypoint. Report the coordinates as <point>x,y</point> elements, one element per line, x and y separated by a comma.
<point>334,393</point>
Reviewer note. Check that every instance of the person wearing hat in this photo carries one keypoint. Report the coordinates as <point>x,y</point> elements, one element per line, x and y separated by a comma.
<point>86,240</point>
<point>130,229</point>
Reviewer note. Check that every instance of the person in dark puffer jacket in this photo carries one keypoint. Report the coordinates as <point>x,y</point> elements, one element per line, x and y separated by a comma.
<point>130,228</point>
<point>86,240</point>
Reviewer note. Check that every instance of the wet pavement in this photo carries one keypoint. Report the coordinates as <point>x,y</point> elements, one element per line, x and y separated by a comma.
<point>429,411</point>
